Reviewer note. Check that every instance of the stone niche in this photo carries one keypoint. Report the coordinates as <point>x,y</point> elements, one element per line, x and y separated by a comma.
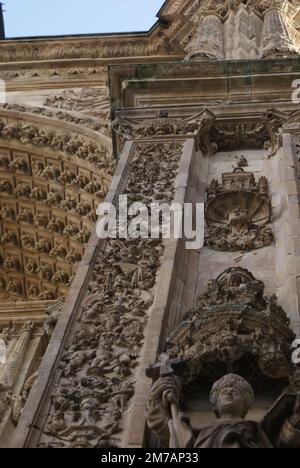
<point>237,212</point>
<point>48,206</point>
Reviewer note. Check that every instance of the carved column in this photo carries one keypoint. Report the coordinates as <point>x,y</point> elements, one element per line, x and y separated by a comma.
<point>208,40</point>
<point>277,39</point>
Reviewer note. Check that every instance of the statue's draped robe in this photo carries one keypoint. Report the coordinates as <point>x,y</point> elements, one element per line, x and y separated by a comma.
<point>232,434</point>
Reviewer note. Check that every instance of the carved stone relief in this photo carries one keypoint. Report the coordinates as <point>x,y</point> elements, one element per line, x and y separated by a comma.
<point>232,326</point>
<point>237,213</point>
<point>236,29</point>
<point>196,126</point>
<point>47,213</point>
<point>97,368</point>
<point>16,337</point>
<point>262,134</point>
<point>231,320</point>
<point>64,143</point>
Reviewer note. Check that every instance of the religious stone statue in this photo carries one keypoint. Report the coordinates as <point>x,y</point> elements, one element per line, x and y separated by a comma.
<point>231,398</point>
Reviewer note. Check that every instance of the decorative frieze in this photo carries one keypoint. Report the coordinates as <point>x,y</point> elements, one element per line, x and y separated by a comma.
<point>232,326</point>
<point>65,143</point>
<point>234,30</point>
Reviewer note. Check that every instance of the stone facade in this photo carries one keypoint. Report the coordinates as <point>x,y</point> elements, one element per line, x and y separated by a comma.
<point>98,332</point>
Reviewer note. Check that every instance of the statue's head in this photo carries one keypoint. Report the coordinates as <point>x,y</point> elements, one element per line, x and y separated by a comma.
<point>232,396</point>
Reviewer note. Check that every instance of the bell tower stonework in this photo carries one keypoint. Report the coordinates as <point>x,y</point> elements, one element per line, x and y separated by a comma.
<point>130,341</point>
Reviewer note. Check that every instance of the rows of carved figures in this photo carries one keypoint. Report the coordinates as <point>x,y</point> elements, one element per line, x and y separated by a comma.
<point>83,148</point>
<point>47,211</point>
<point>242,30</point>
<point>48,170</point>
<point>97,369</point>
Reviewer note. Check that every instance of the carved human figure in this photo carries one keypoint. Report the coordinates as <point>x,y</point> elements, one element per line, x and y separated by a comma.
<point>239,221</point>
<point>231,398</point>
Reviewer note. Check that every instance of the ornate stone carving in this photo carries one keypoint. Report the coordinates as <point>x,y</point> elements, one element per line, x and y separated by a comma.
<point>9,372</point>
<point>273,121</point>
<point>49,195</point>
<point>9,238</point>
<point>85,48</point>
<point>237,213</point>
<point>15,381</point>
<point>236,29</point>
<point>58,142</point>
<point>232,326</point>
<point>6,187</point>
<point>232,319</point>
<point>20,400</point>
<point>93,101</point>
<point>25,216</point>
<point>277,37</point>
<point>231,397</point>
<point>197,126</point>
<point>41,73</point>
<point>12,263</point>
<point>208,39</point>
<point>95,123</point>
<point>97,368</point>
<point>264,134</point>
<point>53,312</point>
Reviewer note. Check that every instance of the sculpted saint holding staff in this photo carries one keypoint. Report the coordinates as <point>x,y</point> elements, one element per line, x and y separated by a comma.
<point>231,398</point>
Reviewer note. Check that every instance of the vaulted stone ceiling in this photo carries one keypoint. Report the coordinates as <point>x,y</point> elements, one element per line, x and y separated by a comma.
<point>49,190</point>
